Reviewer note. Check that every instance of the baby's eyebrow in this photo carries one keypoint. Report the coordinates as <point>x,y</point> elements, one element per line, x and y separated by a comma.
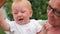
<point>15,9</point>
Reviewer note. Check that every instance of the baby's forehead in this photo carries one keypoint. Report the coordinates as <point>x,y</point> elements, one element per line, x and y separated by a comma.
<point>21,5</point>
<point>20,8</point>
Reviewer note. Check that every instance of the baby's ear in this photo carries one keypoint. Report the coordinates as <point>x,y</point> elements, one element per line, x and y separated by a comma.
<point>31,12</point>
<point>2,2</point>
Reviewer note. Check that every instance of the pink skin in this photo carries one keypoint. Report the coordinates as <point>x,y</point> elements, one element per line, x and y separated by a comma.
<point>54,20</point>
<point>21,12</point>
<point>53,24</point>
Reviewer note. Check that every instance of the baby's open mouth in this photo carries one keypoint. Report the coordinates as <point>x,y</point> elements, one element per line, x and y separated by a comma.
<point>20,19</point>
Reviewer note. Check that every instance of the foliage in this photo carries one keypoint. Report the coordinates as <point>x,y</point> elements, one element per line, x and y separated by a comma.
<point>39,9</point>
<point>8,9</point>
<point>2,31</point>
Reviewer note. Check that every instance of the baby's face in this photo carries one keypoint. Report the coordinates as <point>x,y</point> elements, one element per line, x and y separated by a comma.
<point>21,13</point>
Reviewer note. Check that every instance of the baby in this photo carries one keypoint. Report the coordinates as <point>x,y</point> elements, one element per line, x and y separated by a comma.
<point>22,24</point>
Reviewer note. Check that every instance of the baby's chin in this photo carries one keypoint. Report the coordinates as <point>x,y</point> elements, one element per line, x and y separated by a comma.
<point>21,22</point>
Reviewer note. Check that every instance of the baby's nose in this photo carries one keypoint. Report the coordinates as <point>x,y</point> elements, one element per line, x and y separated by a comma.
<point>19,14</point>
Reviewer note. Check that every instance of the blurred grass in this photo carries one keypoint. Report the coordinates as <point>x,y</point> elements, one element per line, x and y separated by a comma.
<point>2,31</point>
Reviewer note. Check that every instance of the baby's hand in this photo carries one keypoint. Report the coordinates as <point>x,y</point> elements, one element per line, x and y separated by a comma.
<point>3,24</point>
<point>2,2</point>
<point>43,30</point>
<point>1,15</point>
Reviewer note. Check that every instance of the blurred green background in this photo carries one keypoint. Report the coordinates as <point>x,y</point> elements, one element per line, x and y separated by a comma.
<point>39,10</point>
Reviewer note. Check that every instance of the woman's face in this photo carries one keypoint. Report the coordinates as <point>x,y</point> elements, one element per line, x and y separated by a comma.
<point>53,12</point>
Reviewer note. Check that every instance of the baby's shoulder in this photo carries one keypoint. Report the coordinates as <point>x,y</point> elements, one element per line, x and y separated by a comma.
<point>35,22</point>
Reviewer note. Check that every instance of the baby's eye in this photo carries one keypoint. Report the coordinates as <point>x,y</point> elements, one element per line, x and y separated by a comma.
<point>22,11</point>
<point>15,13</point>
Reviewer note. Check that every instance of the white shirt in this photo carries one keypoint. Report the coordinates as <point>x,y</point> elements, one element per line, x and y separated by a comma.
<point>31,28</point>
